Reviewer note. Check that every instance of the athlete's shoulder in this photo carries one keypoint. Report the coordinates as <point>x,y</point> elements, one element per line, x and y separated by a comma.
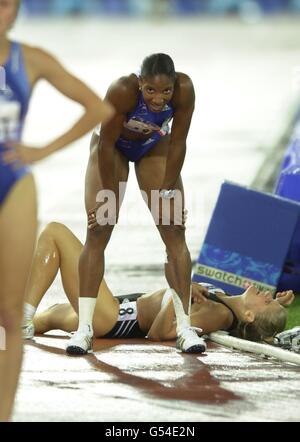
<point>38,58</point>
<point>34,52</point>
<point>123,92</point>
<point>183,79</point>
<point>184,93</point>
<point>125,85</point>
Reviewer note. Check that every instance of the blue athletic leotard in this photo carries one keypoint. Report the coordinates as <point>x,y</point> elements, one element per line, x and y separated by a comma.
<point>14,101</point>
<point>143,121</point>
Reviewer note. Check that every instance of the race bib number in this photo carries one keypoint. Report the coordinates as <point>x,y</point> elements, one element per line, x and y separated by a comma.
<point>9,121</point>
<point>141,126</point>
<point>127,312</point>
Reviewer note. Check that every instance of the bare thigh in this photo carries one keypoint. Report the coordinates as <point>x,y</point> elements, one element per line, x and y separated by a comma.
<point>150,170</point>
<point>93,181</point>
<point>69,248</point>
<point>18,226</point>
<point>57,317</point>
<point>107,307</point>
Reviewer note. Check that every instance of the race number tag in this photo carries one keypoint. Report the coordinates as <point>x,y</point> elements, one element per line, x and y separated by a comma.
<point>2,78</point>
<point>128,312</point>
<point>9,120</point>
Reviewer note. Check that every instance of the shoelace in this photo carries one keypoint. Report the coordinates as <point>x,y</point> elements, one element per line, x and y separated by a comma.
<point>197,329</point>
<point>80,334</point>
<point>191,332</point>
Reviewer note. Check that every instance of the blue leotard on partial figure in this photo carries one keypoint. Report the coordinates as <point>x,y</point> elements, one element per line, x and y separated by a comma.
<point>14,101</point>
<point>143,121</point>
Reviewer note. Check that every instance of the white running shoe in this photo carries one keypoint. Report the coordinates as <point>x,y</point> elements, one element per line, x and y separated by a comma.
<point>28,330</point>
<point>81,342</point>
<point>189,342</point>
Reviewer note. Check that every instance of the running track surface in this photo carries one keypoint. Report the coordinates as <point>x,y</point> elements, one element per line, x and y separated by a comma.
<point>140,381</point>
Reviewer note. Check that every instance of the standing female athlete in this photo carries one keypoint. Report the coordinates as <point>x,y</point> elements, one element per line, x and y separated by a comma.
<point>139,132</point>
<point>22,67</point>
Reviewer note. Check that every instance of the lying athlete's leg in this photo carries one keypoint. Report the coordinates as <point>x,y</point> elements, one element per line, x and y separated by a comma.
<point>57,317</point>
<point>44,267</point>
<point>68,248</point>
<point>57,249</point>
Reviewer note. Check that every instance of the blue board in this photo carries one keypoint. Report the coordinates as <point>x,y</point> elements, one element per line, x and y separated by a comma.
<point>248,239</point>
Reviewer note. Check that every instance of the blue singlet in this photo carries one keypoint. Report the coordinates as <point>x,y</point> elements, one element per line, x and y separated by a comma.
<point>143,121</point>
<point>14,101</point>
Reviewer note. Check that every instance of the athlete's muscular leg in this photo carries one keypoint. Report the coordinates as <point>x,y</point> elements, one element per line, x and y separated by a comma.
<point>57,249</point>
<point>18,225</point>
<point>150,174</point>
<point>57,317</point>
<point>91,263</point>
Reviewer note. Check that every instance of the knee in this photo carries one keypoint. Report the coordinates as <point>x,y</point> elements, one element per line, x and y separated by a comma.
<point>53,229</point>
<point>99,235</point>
<point>174,239</point>
<point>172,234</point>
<point>175,252</point>
<point>11,318</point>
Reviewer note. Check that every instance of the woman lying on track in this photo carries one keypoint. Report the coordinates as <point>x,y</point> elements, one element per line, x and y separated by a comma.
<point>254,315</point>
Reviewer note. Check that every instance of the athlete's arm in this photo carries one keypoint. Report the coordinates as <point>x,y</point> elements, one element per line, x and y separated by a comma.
<point>184,103</point>
<point>199,293</point>
<point>210,317</point>
<point>121,95</point>
<point>285,298</point>
<point>96,110</point>
<point>44,66</point>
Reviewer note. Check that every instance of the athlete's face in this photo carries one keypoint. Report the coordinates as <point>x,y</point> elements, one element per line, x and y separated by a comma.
<point>157,91</point>
<point>8,13</point>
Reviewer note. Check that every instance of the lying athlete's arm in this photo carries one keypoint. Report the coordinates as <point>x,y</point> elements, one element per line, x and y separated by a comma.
<point>285,298</point>
<point>184,103</point>
<point>210,317</point>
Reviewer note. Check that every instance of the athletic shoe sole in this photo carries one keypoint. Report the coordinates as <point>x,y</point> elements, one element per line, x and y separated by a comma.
<point>194,349</point>
<point>77,351</point>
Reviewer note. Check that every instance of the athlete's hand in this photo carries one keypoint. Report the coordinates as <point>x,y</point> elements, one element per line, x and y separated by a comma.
<point>20,153</point>
<point>92,218</point>
<point>169,212</point>
<point>285,298</point>
<point>102,214</point>
<point>199,293</point>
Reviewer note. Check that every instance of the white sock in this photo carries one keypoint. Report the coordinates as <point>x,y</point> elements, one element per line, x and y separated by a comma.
<point>86,312</point>
<point>182,319</point>
<point>28,312</point>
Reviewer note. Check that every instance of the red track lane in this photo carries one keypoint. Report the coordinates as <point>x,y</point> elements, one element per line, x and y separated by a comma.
<point>137,380</point>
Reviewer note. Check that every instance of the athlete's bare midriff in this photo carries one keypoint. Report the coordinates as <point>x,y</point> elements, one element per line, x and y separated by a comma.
<point>148,307</point>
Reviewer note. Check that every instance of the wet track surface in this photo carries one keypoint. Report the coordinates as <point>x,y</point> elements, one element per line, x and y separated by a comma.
<point>138,381</point>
